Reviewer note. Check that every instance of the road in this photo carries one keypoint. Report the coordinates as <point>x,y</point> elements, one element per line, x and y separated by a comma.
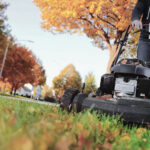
<point>30,100</point>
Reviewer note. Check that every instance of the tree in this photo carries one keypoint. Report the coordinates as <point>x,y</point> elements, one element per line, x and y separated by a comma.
<point>47,92</point>
<point>68,78</point>
<point>102,20</point>
<point>5,40</point>
<point>5,87</point>
<point>20,68</point>
<point>90,84</point>
<point>4,31</point>
<point>39,74</point>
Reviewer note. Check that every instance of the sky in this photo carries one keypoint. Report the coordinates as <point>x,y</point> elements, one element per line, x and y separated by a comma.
<point>55,51</point>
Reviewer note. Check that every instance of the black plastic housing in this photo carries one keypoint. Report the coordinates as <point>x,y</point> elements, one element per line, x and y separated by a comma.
<point>107,83</point>
<point>131,69</point>
<point>143,86</point>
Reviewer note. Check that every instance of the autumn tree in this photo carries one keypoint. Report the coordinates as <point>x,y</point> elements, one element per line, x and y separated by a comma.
<point>5,87</point>
<point>6,40</point>
<point>47,92</point>
<point>4,29</point>
<point>20,68</point>
<point>39,73</point>
<point>68,78</point>
<point>90,84</point>
<point>102,20</point>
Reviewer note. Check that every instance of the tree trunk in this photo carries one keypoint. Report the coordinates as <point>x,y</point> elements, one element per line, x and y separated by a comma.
<point>112,55</point>
<point>12,88</point>
<point>15,88</point>
<point>15,92</point>
<point>4,86</point>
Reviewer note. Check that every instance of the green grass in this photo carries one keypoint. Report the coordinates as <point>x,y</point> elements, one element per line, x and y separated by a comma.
<point>31,126</point>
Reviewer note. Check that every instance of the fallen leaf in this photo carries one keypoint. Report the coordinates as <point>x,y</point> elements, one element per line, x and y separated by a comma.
<point>64,143</point>
<point>23,143</point>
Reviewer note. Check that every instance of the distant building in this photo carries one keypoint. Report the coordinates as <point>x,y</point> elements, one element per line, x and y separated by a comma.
<point>29,90</point>
<point>26,90</point>
<point>38,93</point>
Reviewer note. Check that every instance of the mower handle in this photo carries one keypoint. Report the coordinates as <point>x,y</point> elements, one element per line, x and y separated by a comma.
<point>141,30</point>
<point>127,32</point>
<point>121,42</point>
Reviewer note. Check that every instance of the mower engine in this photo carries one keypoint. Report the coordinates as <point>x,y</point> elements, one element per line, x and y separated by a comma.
<point>118,86</point>
<point>126,80</point>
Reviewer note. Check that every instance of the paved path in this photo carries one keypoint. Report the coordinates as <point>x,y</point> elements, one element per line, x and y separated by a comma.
<point>30,100</point>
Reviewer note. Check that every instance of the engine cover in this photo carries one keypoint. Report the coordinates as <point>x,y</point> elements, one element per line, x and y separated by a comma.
<point>125,88</point>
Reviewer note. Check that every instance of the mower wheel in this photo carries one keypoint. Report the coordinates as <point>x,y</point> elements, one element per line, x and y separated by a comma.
<point>67,99</point>
<point>77,102</point>
<point>99,92</point>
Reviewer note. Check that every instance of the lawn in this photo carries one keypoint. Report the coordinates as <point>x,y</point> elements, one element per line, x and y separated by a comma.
<point>31,126</point>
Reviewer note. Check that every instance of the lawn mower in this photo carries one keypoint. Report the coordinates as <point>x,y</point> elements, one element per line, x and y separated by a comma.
<point>124,92</point>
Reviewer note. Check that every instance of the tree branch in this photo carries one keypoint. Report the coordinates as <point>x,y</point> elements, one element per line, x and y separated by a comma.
<point>106,21</point>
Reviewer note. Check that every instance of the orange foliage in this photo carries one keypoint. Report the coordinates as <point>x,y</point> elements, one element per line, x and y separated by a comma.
<point>88,16</point>
<point>5,86</point>
<point>39,74</point>
<point>21,67</point>
<point>102,20</point>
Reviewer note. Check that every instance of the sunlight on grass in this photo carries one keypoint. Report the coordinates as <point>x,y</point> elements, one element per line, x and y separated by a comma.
<point>31,126</point>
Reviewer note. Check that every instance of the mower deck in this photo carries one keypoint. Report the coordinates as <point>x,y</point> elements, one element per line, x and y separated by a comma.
<point>131,110</point>
<point>134,110</point>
